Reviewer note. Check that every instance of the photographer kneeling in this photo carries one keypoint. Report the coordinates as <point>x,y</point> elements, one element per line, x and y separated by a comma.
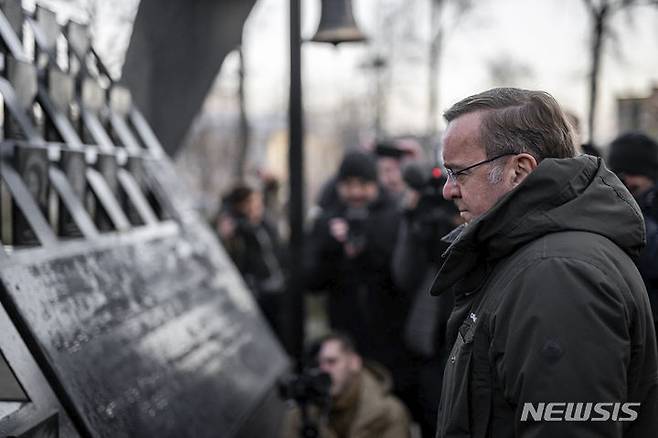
<point>361,403</point>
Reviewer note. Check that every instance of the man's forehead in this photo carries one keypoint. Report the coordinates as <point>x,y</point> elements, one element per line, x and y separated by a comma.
<point>461,142</point>
<point>332,347</point>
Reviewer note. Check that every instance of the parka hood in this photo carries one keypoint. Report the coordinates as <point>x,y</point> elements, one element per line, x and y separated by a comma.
<point>381,375</point>
<point>572,194</point>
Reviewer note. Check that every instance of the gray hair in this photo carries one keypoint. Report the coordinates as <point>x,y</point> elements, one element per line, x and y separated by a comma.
<point>519,121</point>
<point>496,174</point>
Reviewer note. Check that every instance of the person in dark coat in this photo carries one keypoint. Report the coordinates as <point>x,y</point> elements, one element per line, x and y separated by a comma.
<point>633,157</point>
<point>253,244</point>
<point>349,254</point>
<point>427,217</point>
<point>552,319</point>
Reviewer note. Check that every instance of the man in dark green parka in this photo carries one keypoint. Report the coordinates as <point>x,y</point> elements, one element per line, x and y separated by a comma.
<point>552,332</point>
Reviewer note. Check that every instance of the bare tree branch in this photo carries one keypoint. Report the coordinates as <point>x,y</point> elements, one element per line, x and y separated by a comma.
<point>589,4</point>
<point>601,31</point>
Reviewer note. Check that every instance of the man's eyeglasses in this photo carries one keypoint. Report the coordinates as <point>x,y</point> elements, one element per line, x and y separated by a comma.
<point>452,174</point>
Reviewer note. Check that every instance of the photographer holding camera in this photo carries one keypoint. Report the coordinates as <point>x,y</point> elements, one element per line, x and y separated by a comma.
<point>361,404</point>
<point>349,255</point>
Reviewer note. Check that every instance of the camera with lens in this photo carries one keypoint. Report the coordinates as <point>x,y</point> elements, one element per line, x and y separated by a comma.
<point>311,386</point>
<point>310,391</point>
<point>433,216</point>
<point>357,218</point>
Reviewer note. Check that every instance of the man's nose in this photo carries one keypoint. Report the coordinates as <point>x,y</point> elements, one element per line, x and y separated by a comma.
<point>450,190</point>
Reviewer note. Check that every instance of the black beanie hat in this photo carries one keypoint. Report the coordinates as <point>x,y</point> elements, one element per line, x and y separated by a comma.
<point>386,149</point>
<point>237,195</point>
<point>358,165</point>
<point>634,153</point>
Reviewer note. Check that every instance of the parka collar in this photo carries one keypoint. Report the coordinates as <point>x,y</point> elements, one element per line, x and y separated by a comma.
<point>559,195</point>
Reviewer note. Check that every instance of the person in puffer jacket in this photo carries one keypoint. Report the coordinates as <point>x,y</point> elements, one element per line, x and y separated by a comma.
<point>552,330</point>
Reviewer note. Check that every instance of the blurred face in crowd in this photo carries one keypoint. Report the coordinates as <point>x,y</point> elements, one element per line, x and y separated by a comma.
<point>357,192</point>
<point>341,365</point>
<point>636,184</point>
<point>390,174</point>
<point>252,208</point>
<point>475,191</point>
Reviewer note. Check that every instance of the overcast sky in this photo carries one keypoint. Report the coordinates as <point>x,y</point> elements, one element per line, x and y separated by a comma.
<point>550,37</point>
<point>547,37</point>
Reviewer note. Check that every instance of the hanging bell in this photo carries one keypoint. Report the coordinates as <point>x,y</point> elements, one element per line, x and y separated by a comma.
<point>337,23</point>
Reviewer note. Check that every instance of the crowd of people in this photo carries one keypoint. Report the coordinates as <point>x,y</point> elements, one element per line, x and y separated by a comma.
<point>510,246</point>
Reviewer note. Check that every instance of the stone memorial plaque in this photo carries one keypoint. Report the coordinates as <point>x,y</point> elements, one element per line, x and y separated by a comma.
<point>23,77</point>
<point>28,405</point>
<point>78,38</point>
<point>92,95</point>
<point>48,28</point>
<point>60,87</point>
<point>150,335</point>
<point>13,12</point>
<point>120,100</point>
<point>31,162</point>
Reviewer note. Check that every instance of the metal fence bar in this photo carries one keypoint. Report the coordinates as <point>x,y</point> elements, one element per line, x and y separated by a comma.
<point>136,196</point>
<point>73,204</point>
<point>108,200</point>
<point>22,197</point>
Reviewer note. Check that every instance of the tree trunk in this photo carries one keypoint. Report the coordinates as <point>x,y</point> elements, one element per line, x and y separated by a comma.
<point>243,137</point>
<point>598,28</point>
<point>436,36</point>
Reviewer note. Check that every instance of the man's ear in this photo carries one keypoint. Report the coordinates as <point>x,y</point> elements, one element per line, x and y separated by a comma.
<point>524,164</point>
<point>356,363</point>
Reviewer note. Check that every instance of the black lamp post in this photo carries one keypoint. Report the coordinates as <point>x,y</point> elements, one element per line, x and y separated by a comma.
<point>336,26</point>
<point>295,325</point>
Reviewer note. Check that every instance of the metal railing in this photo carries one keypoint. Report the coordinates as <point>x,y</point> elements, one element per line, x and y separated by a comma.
<point>73,146</point>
